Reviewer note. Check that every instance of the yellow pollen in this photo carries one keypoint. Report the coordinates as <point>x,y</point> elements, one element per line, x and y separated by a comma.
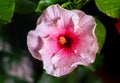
<point>62,40</point>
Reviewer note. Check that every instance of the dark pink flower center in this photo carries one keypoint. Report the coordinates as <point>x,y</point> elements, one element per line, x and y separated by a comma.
<point>67,40</point>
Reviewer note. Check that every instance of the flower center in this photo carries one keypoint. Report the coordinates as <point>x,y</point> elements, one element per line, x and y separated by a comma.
<point>65,41</point>
<point>62,40</point>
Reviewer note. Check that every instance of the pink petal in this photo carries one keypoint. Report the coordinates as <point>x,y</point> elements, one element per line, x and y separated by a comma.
<point>85,22</point>
<point>64,58</point>
<point>36,39</point>
<point>48,50</point>
<point>34,44</point>
<point>64,62</point>
<point>62,71</point>
<point>47,53</point>
<point>57,16</point>
<point>49,66</point>
<point>88,46</point>
<point>42,30</point>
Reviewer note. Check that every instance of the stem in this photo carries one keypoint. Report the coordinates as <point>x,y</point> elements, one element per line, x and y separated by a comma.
<point>65,4</point>
<point>76,2</point>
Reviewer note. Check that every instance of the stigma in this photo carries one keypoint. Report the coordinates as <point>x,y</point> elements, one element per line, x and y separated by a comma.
<point>62,40</point>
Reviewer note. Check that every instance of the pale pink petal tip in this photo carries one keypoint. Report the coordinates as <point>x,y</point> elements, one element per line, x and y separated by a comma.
<point>63,39</point>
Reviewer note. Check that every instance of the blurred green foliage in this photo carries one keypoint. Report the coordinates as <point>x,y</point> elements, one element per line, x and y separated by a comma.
<point>24,6</point>
<point>6,10</point>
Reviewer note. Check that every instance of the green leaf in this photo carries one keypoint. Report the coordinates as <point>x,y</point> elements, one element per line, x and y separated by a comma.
<point>100,33</point>
<point>80,3</point>
<point>74,4</point>
<point>6,10</point>
<point>109,7</point>
<point>65,4</point>
<point>43,4</point>
<point>24,6</point>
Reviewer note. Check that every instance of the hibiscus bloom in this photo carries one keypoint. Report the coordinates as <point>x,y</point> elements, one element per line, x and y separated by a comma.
<point>63,39</point>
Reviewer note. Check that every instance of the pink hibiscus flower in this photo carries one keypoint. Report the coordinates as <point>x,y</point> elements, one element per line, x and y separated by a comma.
<point>63,39</point>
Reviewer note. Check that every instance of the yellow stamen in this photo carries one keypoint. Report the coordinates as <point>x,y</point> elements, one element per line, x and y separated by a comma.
<point>62,40</point>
